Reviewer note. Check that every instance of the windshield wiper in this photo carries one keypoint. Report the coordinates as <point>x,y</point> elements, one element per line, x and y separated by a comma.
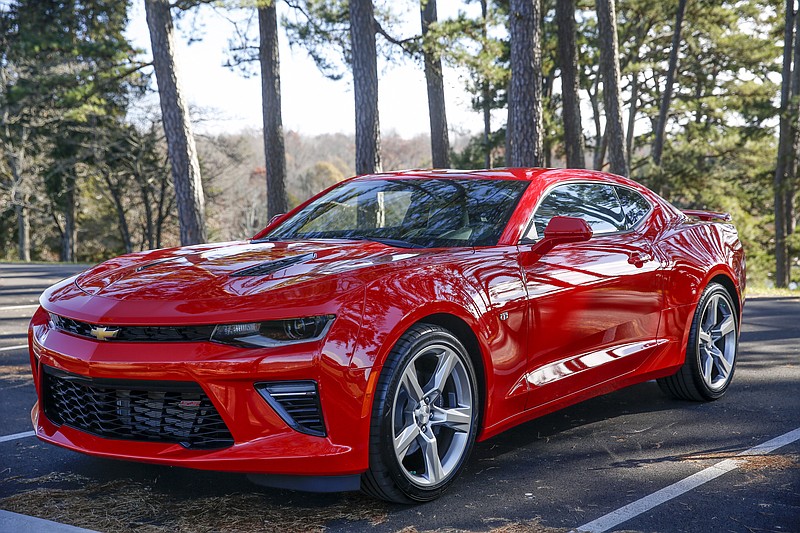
<point>397,243</point>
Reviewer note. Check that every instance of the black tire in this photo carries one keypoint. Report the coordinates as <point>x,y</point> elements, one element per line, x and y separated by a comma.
<point>391,478</point>
<point>692,382</point>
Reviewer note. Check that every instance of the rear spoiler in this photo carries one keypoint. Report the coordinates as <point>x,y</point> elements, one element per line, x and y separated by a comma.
<point>708,216</point>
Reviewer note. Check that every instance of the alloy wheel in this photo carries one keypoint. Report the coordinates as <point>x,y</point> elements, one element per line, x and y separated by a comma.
<point>432,416</point>
<point>716,340</point>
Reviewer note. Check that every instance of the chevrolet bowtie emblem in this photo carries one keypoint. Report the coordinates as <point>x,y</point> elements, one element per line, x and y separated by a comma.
<point>102,333</point>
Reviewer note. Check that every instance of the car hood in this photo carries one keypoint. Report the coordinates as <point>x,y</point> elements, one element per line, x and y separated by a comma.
<point>230,269</point>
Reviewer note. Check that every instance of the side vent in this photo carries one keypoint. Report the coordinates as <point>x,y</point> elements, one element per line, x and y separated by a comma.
<point>269,267</point>
<point>297,403</point>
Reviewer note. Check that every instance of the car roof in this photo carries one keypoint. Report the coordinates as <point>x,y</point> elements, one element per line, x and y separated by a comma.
<point>543,176</point>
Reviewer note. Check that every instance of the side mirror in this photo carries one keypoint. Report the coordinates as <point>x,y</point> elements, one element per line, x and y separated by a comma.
<point>561,230</point>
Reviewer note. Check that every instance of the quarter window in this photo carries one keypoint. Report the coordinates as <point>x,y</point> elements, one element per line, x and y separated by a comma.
<point>634,205</point>
<point>594,202</point>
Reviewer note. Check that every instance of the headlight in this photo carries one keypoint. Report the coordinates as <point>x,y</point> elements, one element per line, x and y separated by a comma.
<point>274,332</point>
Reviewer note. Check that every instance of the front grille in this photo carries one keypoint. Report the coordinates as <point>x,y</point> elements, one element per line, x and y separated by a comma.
<point>135,333</point>
<point>142,410</point>
<point>297,403</point>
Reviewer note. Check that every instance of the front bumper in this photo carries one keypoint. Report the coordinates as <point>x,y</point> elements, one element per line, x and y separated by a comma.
<point>263,442</point>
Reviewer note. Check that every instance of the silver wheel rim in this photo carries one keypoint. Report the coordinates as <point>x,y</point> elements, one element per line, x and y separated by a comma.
<point>716,342</point>
<point>432,415</point>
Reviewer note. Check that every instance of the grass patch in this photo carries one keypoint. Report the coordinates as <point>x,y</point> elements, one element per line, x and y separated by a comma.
<point>128,506</point>
<point>762,291</point>
<point>15,372</point>
<point>125,505</point>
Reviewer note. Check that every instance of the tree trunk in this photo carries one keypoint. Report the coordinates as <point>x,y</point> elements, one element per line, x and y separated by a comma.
<point>666,98</point>
<point>268,53</point>
<point>177,127</point>
<point>23,232</point>
<point>16,160</point>
<point>525,92</point>
<point>548,104</point>
<point>599,139</point>
<point>144,193</point>
<point>440,143</point>
<point>116,197</point>
<point>609,66</point>
<point>70,228</point>
<point>784,150</point>
<point>570,83</point>
<point>632,108</point>
<point>794,154</point>
<point>601,151</point>
<point>365,87</point>
<point>163,208</point>
<point>486,95</point>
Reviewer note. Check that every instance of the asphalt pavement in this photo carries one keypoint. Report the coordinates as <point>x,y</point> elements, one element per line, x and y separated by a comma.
<point>559,472</point>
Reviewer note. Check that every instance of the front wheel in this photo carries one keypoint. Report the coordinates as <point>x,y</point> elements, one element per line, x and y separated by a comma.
<point>425,417</point>
<point>711,350</point>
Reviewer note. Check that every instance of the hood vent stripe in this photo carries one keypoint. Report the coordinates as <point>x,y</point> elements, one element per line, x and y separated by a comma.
<point>270,267</point>
<point>154,263</point>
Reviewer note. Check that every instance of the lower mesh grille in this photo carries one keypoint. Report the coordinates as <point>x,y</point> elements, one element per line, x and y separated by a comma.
<point>154,411</point>
<point>297,402</point>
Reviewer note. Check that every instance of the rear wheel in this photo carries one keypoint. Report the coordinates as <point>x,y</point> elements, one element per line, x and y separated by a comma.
<point>711,350</point>
<point>424,417</point>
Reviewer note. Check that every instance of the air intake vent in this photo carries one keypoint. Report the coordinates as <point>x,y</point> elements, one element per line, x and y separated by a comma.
<point>140,410</point>
<point>269,267</point>
<point>297,402</point>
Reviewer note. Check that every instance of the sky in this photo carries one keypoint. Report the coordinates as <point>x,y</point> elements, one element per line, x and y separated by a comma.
<point>311,103</point>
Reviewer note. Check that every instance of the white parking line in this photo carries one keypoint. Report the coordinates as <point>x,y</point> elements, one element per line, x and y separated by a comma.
<point>20,523</point>
<point>16,436</point>
<point>9,348</point>
<point>13,307</point>
<point>623,514</point>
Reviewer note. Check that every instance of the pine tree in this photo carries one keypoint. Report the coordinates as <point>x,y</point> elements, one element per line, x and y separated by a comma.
<point>274,150</point>
<point>570,83</point>
<point>609,66</point>
<point>440,143</point>
<point>177,126</point>
<point>365,86</point>
<point>524,133</point>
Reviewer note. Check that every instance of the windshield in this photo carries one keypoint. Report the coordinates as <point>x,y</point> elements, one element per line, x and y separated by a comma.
<point>421,212</point>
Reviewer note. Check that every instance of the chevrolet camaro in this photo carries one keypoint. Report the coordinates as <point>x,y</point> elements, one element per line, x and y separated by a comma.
<point>368,338</point>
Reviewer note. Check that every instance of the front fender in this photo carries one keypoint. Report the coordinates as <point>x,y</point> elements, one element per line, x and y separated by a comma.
<point>482,291</point>
<point>391,306</point>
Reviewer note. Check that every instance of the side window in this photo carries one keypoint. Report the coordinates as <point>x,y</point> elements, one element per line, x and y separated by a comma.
<point>634,205</point>
<point>594,202</point>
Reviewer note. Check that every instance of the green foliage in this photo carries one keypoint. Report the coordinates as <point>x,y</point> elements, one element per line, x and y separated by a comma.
<point>69,77</point>
<point>322,29</point>
<point>471,157</point>
<point>68,82</point>
<point>721,145</point>
<point>474,44</point>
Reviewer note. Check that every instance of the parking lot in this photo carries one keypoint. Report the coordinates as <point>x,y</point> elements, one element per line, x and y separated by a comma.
<point>566,470</point>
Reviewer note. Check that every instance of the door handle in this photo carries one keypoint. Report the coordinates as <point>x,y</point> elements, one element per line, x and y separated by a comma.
<point>638,259</point>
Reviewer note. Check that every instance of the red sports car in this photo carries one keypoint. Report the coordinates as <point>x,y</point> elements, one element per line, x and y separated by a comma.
<point>369,337</point>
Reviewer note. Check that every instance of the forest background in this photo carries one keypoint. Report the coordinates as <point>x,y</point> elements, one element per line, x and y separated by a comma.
<point>697,99</point>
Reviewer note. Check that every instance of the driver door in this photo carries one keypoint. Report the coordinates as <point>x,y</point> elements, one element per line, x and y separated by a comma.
<point>593,306</point>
